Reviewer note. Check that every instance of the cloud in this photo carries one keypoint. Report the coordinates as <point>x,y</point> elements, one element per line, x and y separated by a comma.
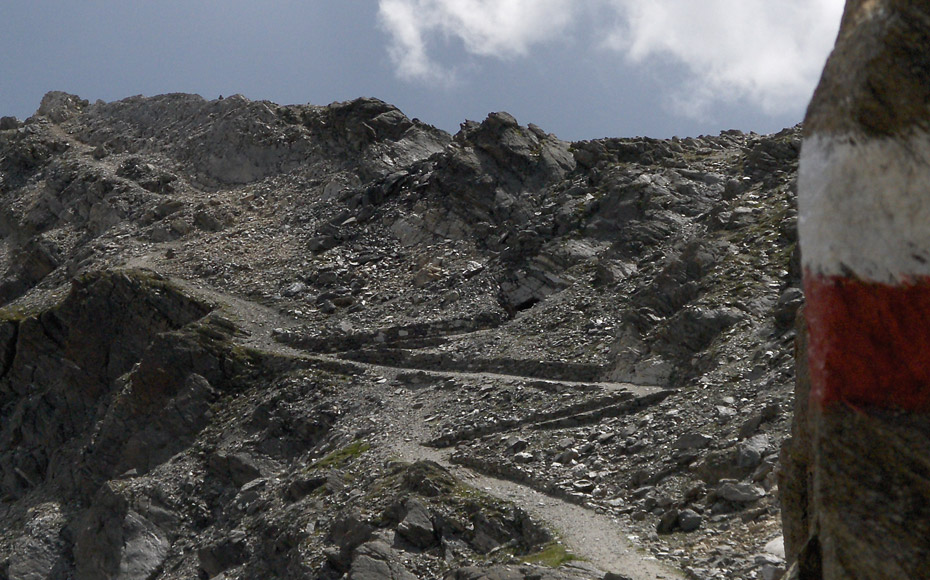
<point>768,53</point>
<point>488,28</point>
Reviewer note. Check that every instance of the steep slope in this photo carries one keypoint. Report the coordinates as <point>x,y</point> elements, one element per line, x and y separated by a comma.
<point>226,320</point>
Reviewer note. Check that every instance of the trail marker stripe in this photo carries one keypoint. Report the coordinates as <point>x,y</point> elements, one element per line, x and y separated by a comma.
<point>865,207</point>
<point>869,342</point>
<point>864,223</point>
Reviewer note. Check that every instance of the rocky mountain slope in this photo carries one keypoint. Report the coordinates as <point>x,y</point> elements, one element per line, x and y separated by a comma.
<point>243,340</point>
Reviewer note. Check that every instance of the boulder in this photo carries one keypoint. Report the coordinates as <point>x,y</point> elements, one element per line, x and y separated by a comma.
<point>9,123</point>
<point>692,441</point>
<point>238,468</point>
<point>751,451</point>
<point>417,526</point>
<point>668,522</point>
<point>144,549</point>
<point>740,492</point>
<point>786,308</point>
<point>689,520</point>
<point>377,561</point>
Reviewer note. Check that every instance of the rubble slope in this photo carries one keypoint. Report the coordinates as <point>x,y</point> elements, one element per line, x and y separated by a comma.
<point>248,340</point>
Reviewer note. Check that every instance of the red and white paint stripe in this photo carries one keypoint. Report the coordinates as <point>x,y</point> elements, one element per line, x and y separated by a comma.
<point>864,206</point>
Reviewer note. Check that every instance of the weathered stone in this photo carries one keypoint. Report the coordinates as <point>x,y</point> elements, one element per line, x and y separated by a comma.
<point>524,457</point>
<point>36,554</point>
<point>417,525</point>
<point>692,441</point>
<point>322,243</point>
<point>207,221</point>
<point>350,531</point>
<point>695,328</point>
<point>303,486</point>
<point>750,426</point>
<point>377,561</point>
<point>689,520</point>
<point>295,289</point>
<point>786,308</point>
<point>144,549</point>
<point>236,467</point>
<point>584,485</point>
<point>772,571</point>
<point>740,492</point>
<point>776,547</point>
<point>516,444</point>
<point>114,541</point>
<point>8,123</point>
<point>615,576</point>
<point>750,452</point>
<point>668,522</point>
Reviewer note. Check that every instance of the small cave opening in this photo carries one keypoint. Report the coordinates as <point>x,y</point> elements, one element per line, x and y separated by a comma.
<point>527,304</point>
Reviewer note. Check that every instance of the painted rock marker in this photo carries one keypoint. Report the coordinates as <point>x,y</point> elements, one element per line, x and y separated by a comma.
<point>864,205</point>
<point>864,200</point>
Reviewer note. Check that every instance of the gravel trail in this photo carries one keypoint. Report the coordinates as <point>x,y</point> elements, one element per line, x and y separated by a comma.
<point>598,538</point>
<point>595,537</point>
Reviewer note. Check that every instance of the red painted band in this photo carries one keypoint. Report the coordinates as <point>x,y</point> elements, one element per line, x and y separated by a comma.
<point>869,342</point>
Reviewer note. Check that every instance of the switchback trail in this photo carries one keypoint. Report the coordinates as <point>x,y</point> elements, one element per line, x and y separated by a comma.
<point>595,537</point>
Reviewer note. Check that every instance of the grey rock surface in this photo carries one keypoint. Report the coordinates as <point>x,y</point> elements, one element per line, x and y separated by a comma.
<point>741,492</point>
<point>222,320</point>
<point>689,520</point>
<point>417,526</point>
<point>8,123</point>
<point>377,561</point>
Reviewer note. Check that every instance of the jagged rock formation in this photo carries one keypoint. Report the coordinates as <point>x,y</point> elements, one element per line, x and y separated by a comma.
<point>224,322</point>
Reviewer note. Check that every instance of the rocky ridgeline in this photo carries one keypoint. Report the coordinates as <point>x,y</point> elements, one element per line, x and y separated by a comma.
<point>225,322</point>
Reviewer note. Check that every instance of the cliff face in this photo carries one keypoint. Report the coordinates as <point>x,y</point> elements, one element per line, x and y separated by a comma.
<point>226,323</point>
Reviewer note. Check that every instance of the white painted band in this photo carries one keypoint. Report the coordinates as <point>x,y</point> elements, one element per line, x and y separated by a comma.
<point>864,208</point>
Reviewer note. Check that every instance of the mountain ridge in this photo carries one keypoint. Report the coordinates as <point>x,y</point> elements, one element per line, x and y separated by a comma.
<point>351,271</point>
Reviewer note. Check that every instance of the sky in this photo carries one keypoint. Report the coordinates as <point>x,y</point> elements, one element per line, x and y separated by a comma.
<point>582,69</point>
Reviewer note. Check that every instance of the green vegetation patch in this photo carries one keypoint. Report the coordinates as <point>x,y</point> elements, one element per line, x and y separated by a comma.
<point>552,555</point>
<point>340,457</point>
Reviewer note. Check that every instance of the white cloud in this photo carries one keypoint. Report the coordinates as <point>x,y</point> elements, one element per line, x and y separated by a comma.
<point>769,53</point>
<point>496,28</point>
<point>408,50</point>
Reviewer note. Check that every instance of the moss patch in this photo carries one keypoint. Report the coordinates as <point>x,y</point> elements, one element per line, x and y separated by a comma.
<point>340,457</point>
<point>552,555</point>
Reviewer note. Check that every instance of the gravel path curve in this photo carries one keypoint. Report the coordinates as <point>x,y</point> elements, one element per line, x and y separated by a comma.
<point>598,538</point>
<point>588,534</point>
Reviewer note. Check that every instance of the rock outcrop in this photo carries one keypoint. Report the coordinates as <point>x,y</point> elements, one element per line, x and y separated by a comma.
<point>224,324</point>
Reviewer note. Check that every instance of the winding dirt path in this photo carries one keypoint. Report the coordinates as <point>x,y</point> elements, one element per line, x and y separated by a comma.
<point>595,537</point>
<point>598,538</point>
